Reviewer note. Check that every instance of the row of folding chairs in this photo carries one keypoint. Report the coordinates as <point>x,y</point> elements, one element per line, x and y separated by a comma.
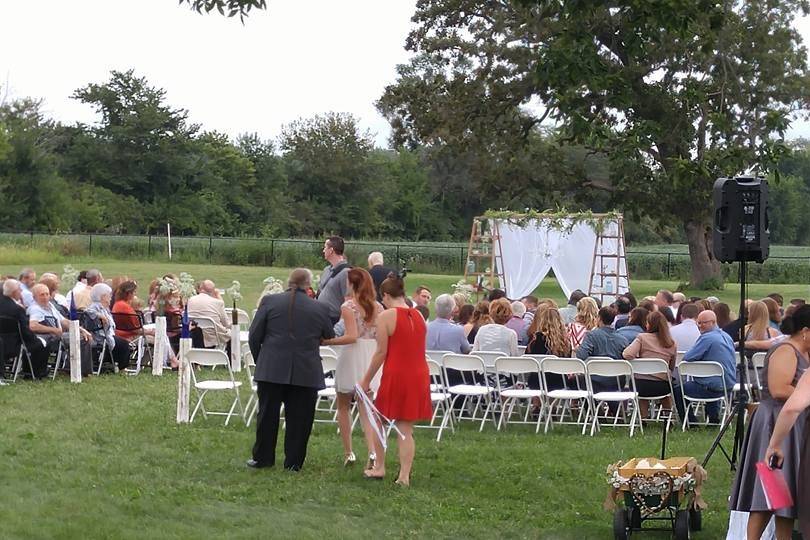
<point>489,392</point>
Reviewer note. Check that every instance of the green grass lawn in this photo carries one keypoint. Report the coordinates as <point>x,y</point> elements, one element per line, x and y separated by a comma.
<point>104,459</point>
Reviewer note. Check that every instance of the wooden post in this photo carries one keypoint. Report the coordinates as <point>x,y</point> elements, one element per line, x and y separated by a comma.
<point>236,348</point>
<point>75,352</point>
<point>183,382</point>
<point>161,342</point>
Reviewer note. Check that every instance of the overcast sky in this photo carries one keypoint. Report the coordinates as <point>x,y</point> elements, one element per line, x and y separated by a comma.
<point>297,59</point>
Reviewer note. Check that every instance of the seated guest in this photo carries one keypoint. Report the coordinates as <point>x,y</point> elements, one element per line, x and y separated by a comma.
<point>669,315</point>
<point>586,320</point>
<point>442,334</point>
<point>654,343</point>
<point>127,322</point>
<point>28,279</point>
<point>465,315</point>
<point>548,335</point>
<point>679,299</point>
<point>686,333</point>
<point>648,304</point>
<point>723,313</point>
<point>636,324</point>
<point>622,312</point>
<point>664,300</point>
<point>101,325</point>
<point>10,306</point>
<point>460,300</point>
<point>496,336</point>
<point>531,304</point>
<point>49,325</point>
<point>517,323</point>
<point>774,312</point>
<point>209,304</point>
<point>58,301</point>
<point>716,346</point>
<point>569,312</point>
<point>603,341</point>
<point>422,296</point>
<point>480,318</point>
<point>378,271</point>
<point>494,294</point>
<point>81,292</point>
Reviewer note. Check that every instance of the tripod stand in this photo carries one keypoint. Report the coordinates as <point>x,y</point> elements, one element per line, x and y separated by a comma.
<point>737,416</point>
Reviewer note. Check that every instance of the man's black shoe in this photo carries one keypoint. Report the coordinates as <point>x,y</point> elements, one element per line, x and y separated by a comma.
<point>253,464</point>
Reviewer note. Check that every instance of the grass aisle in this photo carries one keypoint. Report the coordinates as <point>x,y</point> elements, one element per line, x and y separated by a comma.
<point>104,459</point>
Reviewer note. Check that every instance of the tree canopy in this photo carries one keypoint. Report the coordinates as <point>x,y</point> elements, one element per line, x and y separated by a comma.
<point>672,94</point>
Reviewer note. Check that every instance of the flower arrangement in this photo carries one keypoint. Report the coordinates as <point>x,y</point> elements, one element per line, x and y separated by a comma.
<point>234,291</point>
<point>271,286</point>
<point>69,276</point>
<point>464,288</point>
<point>187,288</point>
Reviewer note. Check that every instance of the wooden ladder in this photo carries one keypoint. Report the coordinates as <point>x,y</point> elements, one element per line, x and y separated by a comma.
<point>598,273</point>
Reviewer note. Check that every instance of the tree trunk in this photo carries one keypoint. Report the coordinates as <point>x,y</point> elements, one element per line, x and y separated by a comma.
<point>704,265</point>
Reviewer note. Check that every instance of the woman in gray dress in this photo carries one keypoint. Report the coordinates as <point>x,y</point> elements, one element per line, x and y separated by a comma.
<point>785,365</point>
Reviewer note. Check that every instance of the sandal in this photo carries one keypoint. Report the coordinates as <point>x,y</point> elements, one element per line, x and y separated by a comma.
<point>372,460</point>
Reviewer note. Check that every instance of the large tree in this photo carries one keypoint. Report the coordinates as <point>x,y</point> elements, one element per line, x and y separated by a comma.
<point>674,93</point>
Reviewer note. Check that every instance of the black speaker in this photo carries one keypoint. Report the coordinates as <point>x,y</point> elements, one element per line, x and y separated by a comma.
<point>740,230</point>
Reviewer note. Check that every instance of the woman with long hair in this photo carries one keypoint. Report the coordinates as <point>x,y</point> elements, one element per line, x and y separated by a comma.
<point>585,321</point>
<point>548,335</point>
<point>723,313</point>
<point>404,394</point>
<point>784,401</point>
<point>480,318</point>
<point>356,347</point>
<point>656,342</point>
<point>774,313</point>
<point>758,331</point>
<point>465,315</point>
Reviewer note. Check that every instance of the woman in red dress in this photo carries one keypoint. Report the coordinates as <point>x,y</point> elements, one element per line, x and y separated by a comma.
<point>404,393</point>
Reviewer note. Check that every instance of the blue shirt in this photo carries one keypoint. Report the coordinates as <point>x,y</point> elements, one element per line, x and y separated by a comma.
<point>442,335</point>
<point>630,332</point>
<point>715,346</point>
<point>602,341</point>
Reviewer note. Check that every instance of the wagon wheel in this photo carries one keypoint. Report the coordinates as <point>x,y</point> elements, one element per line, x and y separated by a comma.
<point>620,523</point>
<point>695,519</point>
<point>681,525</point>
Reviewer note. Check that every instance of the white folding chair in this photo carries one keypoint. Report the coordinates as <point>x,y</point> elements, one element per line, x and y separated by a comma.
<point>739,386</point>
<point>329,380</point>
<point>204,323</point>
<point>565,398</point>
<point>242,317</point>
<point>475,392</point>
<point>213,358</point>
<point>758,362</point>
<point>698,370</point>
<point>440,398</point>
<point>679,357</point>
<point>489,358</point>
<point>521,350</point>
<point>654,366</point>
<point>328,394</point>
<point>507,367</point>
<point>614,368</point>
<point>252,405</point>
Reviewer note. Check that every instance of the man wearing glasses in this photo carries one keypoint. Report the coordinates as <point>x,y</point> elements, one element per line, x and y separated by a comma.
<point>713,345</point>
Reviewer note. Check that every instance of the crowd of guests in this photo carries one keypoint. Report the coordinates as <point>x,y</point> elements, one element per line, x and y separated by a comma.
<point>36,312</point>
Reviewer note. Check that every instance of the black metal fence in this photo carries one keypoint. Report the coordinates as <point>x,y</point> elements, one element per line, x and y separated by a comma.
<point>423,257</point>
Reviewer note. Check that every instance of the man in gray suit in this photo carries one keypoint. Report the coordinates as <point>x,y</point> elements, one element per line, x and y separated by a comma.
<point>285,339</point>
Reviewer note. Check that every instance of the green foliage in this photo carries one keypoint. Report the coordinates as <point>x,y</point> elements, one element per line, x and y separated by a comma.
<point>229,8</point>
<point>673,94</point>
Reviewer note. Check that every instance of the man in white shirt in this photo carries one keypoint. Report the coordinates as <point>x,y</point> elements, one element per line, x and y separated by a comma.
<point>47,323</point>
<point>664,300</point>
<point>27,280</point>
<point>686,334</point>
<point>209,304</point>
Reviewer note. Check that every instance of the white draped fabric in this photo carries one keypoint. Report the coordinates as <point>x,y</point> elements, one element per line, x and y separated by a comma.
<point>529,250</point>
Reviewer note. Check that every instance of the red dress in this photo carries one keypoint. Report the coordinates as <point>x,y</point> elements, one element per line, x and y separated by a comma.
<point>405,386</point>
